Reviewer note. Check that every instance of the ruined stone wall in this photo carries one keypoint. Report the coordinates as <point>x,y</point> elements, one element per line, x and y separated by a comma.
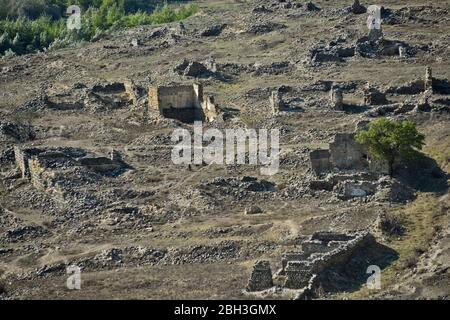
<point>39,177</point>
<point>320,161</point>
<point>209,109</point>
<point>181,102</point>
<point>337,98</point>
<point>342,254</point>
<point>276,102</point>
<point>21,162</point>
<point>261,278</point>
<point>298,274</point>
<point>153,102</point>
<point>310,247</point>
<point>132,91</point>
<point>291,256</point>
<point>177,97</point>
<point>23,157</point>
<point>344,154</point>
<point>374,97</point>
<point>336,250</point>
<point>347,154</point>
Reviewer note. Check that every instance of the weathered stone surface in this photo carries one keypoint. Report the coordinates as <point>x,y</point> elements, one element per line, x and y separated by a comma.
<point>185,103</point>
<point>325,250</point>
<point>374,97</point>
<point>346,153</point>
<point>320,161</point>
<point>276,102</point>
<point>297,274</point>
<point>337,98</point>
<point>261,277</point>
<point>353,189</point>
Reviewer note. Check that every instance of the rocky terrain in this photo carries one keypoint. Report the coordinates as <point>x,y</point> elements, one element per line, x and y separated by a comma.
<point>86,176</point>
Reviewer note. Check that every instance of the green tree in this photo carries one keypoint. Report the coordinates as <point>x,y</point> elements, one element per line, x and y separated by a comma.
<point>390,140</point>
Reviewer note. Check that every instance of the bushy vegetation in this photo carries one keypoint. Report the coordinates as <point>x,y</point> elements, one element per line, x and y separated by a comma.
<point>391,140</point>
<point>30,25</point>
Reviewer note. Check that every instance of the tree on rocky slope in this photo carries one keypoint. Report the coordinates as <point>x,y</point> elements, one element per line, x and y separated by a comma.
<point>391,140</point>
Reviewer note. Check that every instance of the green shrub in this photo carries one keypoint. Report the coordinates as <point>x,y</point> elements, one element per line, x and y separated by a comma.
<point>392,139</point>
<point>31,25</point>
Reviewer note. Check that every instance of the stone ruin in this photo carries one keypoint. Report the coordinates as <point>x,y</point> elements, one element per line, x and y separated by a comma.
<point>185,103</point>
<point>191,69</point>
<point>45,166</point>
<point>133,91</point>
<point>337,98</point>
<point>94,97</point>
<point>261,278</point>
<point>372,45</point>
<point>346,168</point>
<point>344,154</point>
<point>301,270</point>
<point>374,97</point>
<point>428,94</point>
<point>323,251</point>
<point>423,104</point>
<point>276,102</point>
<point>196,69</point>
<point>428,86</point>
